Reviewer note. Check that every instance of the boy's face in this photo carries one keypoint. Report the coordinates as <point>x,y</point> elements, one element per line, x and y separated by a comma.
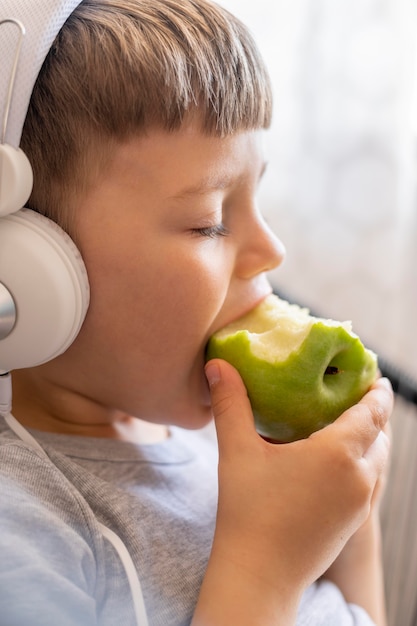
<point>163,276</point>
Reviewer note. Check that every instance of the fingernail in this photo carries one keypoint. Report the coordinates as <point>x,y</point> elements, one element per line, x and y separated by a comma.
<point>212,373</point>
<point>386,382</point>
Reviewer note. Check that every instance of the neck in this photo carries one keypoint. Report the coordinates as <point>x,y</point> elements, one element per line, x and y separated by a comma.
<point>44,406</point>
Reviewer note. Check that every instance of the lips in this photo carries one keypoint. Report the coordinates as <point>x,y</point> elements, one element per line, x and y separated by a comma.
<point>250,304</point>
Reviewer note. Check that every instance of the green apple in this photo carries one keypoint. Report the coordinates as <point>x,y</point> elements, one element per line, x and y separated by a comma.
<point>301,372</point>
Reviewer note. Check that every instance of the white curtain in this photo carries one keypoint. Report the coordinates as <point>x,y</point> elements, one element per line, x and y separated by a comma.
<point>342,160</point>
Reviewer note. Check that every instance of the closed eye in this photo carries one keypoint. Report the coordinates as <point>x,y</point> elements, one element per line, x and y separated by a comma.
<point>218,230</point>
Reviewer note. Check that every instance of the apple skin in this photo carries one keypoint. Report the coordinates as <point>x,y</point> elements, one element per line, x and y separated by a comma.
<point>294,398</point>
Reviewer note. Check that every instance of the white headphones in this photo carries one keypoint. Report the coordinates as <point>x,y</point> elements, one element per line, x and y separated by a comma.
<point>44,291</point>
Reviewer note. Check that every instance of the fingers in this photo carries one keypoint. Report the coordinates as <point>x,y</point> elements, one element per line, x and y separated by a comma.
<point>359,426</point>
<point>382,387</point>
<point>230,404</point>
<point>362,424</point>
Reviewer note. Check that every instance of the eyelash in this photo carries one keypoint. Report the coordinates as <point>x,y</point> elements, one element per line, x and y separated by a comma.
<point>219,230</point>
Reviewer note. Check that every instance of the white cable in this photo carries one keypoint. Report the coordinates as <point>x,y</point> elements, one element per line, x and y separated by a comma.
<point>117,543</point>
<point>23,434</point>
<point>5,393</point>
<point>131,573</point>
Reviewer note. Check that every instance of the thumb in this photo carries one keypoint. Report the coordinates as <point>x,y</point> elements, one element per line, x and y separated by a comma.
<point>230,404</point>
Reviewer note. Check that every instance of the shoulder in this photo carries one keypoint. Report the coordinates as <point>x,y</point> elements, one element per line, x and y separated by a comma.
<point>48,538</point>
<point>31,484</point>
<point>41,512</point>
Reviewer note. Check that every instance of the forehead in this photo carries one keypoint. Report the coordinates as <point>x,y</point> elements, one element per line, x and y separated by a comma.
<point>188,162</point>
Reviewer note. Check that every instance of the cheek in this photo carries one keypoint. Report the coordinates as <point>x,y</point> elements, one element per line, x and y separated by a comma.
<point>162,303</point>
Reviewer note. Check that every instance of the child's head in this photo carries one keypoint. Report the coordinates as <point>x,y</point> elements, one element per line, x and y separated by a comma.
<point>144,131</point>
<point>121,67</point>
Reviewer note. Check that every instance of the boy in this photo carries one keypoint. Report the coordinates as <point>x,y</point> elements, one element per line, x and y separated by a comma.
<point>144,133</point>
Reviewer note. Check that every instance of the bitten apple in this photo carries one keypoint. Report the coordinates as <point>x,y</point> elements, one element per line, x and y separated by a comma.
<point>301,372</point>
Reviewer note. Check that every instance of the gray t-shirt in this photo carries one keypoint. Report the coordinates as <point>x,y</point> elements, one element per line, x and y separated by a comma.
<point>57,569</point>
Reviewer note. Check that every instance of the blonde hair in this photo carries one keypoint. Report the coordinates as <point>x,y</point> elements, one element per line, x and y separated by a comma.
<point>119,67</point>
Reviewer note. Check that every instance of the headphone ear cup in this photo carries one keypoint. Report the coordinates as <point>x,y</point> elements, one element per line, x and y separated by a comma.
<point>16,179</point>
<point>42,269</point>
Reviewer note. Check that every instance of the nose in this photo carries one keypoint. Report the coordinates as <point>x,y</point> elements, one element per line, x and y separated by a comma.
<point>260,251</point>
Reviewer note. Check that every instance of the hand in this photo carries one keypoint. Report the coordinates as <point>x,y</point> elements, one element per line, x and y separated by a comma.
<point>286,511</point>
<point>358,570</point>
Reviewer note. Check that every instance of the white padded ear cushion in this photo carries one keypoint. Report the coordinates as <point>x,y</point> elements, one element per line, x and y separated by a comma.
<point>43,270</point>
<point>16,179</point>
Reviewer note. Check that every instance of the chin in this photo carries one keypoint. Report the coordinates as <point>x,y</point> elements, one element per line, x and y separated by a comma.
<point>194,411</point>
<point>191,415</point>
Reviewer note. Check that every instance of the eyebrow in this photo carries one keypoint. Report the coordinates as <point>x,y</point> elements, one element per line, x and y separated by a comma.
<point>211,183</point>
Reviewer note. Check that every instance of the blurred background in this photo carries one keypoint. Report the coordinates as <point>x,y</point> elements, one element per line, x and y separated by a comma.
<point>340,185</point>
<point>340,191</point>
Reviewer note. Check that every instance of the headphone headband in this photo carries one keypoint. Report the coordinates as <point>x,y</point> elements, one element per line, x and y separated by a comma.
<point>42,20</point>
